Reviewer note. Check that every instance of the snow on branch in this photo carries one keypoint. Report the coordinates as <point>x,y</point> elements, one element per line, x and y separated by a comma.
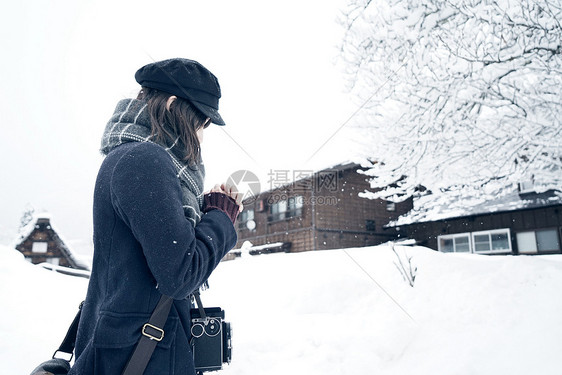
<point>468,92</point>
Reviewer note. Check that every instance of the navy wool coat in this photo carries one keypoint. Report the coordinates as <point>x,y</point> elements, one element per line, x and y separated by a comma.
<point>144,247</point>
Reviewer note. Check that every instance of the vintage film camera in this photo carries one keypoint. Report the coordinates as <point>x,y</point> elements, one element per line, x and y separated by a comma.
<point>211,338</point>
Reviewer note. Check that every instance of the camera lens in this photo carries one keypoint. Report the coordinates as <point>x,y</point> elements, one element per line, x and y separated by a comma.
<point>197,330</point>
<point>213,328</point>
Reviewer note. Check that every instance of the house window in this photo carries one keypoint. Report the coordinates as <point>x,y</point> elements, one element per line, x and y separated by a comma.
<point>39,247</point>
<point>390,206</point>
<point>53,261</point>
<point>526,242</point>
<point>278,211</point>
<point>535,241</point>
<point>492,241</point>
<point>370,225</point>
<point>244,217</point>
<point>285,209</point>
<point>547,240</point>
<point>295,206</point>
<point>454,243</point>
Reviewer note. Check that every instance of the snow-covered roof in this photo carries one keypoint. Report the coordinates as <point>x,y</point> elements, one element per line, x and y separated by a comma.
<point>26,231</point>
<point>425,210</point>
<point>347,164</point>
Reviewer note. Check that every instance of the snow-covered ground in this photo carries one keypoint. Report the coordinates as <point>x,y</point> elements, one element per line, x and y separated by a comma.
<point>325,313</point>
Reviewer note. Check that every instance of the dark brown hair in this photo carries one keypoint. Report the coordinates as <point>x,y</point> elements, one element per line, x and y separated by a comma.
<point>179,123</point>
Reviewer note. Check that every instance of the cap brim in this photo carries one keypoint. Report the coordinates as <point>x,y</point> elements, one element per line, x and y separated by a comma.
<point>210,112</point>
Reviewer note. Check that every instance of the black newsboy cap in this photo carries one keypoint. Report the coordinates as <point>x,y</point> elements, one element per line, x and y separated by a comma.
<point>186,79</point>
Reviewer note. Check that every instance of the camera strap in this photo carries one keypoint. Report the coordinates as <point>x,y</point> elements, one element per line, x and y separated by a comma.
<point>197,296</point>
<point>67,345</point>
<point>152,334</point>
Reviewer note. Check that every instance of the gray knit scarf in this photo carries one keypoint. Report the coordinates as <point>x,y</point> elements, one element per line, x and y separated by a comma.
<point>131,123</point>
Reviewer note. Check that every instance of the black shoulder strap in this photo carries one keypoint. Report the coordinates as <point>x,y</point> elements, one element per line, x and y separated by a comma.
<point>152,333</point>
<point>197,296</point>
<point>67,345</point>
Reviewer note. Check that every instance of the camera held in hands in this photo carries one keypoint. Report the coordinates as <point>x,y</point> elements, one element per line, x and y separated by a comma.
<point>211,338</point>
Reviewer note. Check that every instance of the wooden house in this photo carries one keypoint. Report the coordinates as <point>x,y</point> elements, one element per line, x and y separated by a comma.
<point>40,243</point>
<point>519,223</point>
<point>321,210</point>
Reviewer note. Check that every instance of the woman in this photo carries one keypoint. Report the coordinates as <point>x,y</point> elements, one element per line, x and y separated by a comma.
<point>155,232</point>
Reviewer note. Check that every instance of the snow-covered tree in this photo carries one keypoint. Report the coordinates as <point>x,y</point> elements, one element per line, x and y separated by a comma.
<point>26,217</point>
<point>459,96</point>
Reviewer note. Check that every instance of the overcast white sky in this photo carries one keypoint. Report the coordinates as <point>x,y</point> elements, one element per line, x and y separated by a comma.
<point>65,64</point>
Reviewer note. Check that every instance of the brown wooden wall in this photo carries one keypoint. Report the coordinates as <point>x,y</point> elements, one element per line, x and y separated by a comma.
<point>297,230</point>
<point>333,215</point>
<point>345,224</point>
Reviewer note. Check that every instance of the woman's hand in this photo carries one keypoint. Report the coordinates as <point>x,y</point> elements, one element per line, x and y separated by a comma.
<point>231,191</point>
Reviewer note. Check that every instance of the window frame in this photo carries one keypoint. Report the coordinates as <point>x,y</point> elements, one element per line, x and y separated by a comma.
<point>244,217</point>
<point>40,247</point>
<point>298,206</point>
<point>490,233</point>
<point>540,251</point>
<point>519,250</point>
<point>452,237</point>
<point>287,212</point>
<point>537,249</point>
<point>278,215</point>
<point>55,261</point>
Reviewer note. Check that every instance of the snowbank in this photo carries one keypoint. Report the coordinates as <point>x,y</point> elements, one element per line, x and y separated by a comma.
<point>321,313</point>
<point>37,308</point>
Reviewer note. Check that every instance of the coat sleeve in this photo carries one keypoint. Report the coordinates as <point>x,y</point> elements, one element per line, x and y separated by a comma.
<point>146,195</point>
